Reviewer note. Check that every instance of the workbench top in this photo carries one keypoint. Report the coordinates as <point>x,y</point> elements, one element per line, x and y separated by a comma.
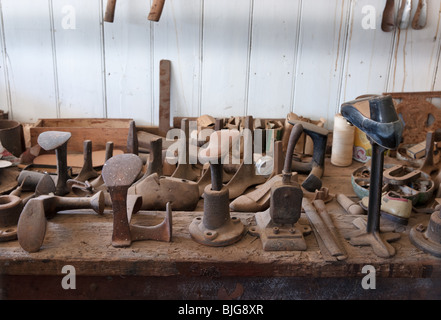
<point>82,239</point>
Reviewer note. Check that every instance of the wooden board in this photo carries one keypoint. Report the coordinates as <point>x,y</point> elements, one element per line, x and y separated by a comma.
<point>99,130</point>
<point>83,239</point>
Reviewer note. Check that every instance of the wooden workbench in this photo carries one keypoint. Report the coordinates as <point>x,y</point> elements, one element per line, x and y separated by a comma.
<point>184,269</point>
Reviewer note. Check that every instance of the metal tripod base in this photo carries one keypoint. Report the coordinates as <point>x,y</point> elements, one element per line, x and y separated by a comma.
<point>229,233</point>
<point>275,237</point>
<point>378,241</point>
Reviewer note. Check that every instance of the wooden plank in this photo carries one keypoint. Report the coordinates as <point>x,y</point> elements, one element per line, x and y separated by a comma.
<point>83,239</point>
<point>225,69</point>
<point>29,59</point>
<point>368,52</point>
<point>78,47</point>
<point>178,37</point>
<point>164,97</point>
<point>320,61</point>
<point>129,73</point>
<point>100,131</point>
<point>273,57</point>
<point>414,63</point>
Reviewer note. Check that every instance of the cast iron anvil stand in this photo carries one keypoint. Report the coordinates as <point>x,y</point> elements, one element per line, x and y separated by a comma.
<point>377,118</point>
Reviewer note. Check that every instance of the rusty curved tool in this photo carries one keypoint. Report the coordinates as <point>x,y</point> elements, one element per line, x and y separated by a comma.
<point>87,171</point>
<point>57,140</point>
<point>316,166</point>
<point>118,183</point>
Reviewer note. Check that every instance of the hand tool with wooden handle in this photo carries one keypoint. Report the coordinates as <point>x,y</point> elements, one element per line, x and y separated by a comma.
<point>156,10</point>
<point>420,18</point>
<point>388,22</point>
<point>110,11</point>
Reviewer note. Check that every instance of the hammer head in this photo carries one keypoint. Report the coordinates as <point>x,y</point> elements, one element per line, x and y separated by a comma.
<point>121,170</point>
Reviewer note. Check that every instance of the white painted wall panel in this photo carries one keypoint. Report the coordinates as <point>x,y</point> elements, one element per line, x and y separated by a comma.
<point>78,47</point>
<point>229,58</point>
<point>29,59</point>
<point>226,49</point>
<point>273,57</point>
<point>414,63</point>
<point>322,47</point>
<point>128,62</point>
<point>4,88</point>
<point>369,52</point>
<point>177,37</point>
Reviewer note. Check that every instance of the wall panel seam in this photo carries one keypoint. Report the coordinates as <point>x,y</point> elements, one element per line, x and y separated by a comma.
<point>54,58</point>
<point>5,65</point>
<point>298,48</point>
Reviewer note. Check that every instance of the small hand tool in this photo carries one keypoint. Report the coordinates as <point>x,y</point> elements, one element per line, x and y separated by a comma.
<point>216,228</point>
<point>50,140</point>
<point>124,206</point>
<point>87,171</point>
<point>278,226</point>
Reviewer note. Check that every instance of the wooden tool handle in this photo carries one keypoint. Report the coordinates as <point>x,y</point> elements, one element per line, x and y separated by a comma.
<point>388,24</point>
<point>419,19</point>
<point>110,11</point>
<point>156,10</point>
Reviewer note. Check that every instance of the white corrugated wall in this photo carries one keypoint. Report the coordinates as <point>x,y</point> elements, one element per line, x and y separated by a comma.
<point>263,58</point>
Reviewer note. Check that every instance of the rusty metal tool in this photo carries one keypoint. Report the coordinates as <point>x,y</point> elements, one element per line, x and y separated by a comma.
<point>388,21</point>
<point>109,14</point>
<point>403,17</point>
<point>124,206</point>
<point>10,209</point>
<point>31,227</point>
<point>156,10</point>
<point>420,18</point>
<point>132,139</point>
<point>155,162</point>
<point>216,228</point>
<point>337,248</point>
<point>50,140</point>
<point>384,129</point>
<point>87,171</point>
<point>54,204</point>
<point>316,166</point>
<point>278,226</point>
<point>118,182</point>
<point>28,179</point>
<point>88,188</point>
<point>428,165</point>
<point>245,175</point>
<point>427,236</point>
<point>160,232</point>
